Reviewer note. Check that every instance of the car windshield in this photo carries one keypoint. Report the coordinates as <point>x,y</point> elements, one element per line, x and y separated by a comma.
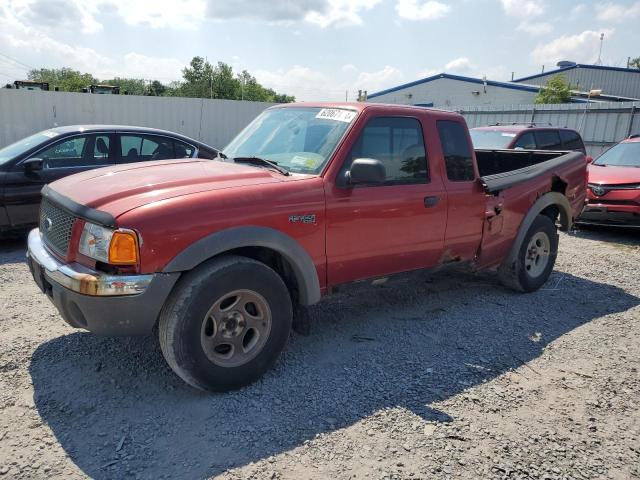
<point>299,139</point>
<point>621,155</point>
<point>491,139</point>
<point>12,151</point>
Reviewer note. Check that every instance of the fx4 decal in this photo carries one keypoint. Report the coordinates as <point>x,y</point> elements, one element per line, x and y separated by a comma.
<point>310,218</point>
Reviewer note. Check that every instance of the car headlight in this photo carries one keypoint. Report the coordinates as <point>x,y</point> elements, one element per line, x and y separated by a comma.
<point>115,247</point>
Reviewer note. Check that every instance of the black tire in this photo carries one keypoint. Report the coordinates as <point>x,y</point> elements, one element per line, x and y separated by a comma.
<point>182,322</point>
<point>522,276</point>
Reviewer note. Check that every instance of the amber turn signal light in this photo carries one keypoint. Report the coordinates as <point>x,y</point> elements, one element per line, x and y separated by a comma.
<point>123,249</point>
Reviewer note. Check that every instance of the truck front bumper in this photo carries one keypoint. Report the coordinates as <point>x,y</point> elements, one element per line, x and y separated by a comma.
<point>101,303</point>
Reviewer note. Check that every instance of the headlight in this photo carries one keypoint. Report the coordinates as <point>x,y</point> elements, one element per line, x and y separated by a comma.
<point>115,247</point>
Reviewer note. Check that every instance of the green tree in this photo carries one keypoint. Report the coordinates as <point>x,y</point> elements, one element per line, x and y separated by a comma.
<point>133,86</point>
<point>200,79</point>
<point>157,89</point>
<point>556,90</point>
<point>66,79</point>
<point>635,63</point>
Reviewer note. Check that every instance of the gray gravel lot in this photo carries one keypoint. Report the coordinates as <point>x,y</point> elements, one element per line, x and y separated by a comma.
<point>447,375</point>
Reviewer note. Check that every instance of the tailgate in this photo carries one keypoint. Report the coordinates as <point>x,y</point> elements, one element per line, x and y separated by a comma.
<point>501,181</point>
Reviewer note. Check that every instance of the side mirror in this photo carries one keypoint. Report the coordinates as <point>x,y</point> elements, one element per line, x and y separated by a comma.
<point>366,171</point>
<point>33,164</point>
<point>589,158</point>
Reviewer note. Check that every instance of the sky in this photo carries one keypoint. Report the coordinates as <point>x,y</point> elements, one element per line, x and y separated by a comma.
<point>315,49</point>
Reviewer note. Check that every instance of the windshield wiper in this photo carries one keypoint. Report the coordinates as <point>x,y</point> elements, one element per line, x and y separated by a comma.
<point>262,161</point>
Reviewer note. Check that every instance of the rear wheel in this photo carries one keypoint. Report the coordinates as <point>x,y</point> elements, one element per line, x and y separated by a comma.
<point>226,323</point>
<point>536,257</point>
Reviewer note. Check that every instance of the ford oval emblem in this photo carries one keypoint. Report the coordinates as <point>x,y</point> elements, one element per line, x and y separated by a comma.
<point>48,224</point>
<point>598,190</point>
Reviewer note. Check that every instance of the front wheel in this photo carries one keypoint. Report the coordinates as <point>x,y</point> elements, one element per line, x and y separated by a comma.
<point>226,323</point>
<point>536,257</point>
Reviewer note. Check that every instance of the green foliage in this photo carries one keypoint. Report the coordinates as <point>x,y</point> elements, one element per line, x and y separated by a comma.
<point>203,80</point>
<point>133,86</point>
<point>635,63</point>
<point>556,90</point>
<point>200,80</point>
<point>66,79</point>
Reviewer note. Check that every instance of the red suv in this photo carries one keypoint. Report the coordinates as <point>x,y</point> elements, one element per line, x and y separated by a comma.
<point>527,136</point>
<point>613,196</point>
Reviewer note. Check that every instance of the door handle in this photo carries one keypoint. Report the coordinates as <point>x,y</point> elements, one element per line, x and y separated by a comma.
<point>431,201</point>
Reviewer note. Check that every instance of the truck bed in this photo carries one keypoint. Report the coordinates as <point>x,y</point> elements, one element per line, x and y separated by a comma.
<point>501,169</point>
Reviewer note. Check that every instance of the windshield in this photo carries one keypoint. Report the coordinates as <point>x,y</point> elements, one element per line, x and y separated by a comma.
<point>298,139</point>
<point>621,155</point>
<point>491,139</point>
<point>12,151</point>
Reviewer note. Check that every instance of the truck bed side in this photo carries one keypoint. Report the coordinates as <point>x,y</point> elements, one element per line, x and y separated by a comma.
<point>548,183</point>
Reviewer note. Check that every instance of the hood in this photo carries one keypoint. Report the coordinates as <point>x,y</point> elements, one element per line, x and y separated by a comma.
<point>118,189</point>
<point>613,175</point>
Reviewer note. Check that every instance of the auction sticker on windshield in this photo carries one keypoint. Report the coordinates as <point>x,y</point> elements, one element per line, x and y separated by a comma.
<point>336,114</point>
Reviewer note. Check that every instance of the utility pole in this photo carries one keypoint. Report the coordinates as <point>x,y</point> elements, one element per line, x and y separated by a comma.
<point>599,62</point>
<point>346,95</point>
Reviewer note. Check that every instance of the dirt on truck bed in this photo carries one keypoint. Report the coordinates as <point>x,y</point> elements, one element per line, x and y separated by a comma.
<point>434,376</point>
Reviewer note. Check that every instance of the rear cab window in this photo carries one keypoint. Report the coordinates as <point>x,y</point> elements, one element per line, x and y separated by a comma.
<point>548,140</point>
<point>457,153</point>
<point>571,140</point>
<point>526,141</point>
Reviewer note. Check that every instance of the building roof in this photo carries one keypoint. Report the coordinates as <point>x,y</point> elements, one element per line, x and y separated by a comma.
<point>479,81</point>
<point>578,65</point>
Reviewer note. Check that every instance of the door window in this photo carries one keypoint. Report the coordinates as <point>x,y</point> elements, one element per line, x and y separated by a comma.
<point>397,143</point>
<point>183,150</point>
<point>141,148</point>
<point>80,151</point>
<point>571,140</point>
<point>526,141</point>
<point>456,150</point>
<point>548,140</point>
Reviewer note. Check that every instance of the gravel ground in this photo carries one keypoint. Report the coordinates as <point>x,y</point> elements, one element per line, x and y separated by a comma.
<point>434,376</point>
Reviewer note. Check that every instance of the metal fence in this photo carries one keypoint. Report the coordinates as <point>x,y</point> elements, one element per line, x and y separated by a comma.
<point>600,124</point>
<point>215,122</point>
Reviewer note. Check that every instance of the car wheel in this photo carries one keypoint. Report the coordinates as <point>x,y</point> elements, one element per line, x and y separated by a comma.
<point>536,257</point>
<point>226,323</point>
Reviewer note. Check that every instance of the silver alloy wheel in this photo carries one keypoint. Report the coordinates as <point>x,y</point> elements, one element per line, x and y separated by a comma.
<point>537,255</point>
<point>235,328</point>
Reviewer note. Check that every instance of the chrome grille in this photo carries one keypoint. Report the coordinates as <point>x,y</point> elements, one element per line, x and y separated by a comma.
<point>56,225</point>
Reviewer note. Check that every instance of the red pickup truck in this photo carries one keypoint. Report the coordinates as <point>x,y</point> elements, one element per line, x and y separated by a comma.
<point>220,256</point>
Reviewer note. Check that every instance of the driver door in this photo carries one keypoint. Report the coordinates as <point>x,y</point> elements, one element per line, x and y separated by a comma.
<point>377,230</point>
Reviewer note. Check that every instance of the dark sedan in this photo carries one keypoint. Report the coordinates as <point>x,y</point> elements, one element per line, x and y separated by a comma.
<point>27,165</point>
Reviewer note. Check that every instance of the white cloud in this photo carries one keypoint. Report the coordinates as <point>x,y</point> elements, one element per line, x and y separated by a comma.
<point>523,8</point>
<point>422,10</point>
<point>309,85</point>
<point>462,64</point>
<point>155,13</point>
<point>582,47</point>
<point>381,79</point>
<point>341,13</point>
<point>535,28</point>
<point>616,12</point>
<point>18,36</point>
<point>324,13</point>
<point>189,14</point>
<point>578,10</point>
<point>349,68</point>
